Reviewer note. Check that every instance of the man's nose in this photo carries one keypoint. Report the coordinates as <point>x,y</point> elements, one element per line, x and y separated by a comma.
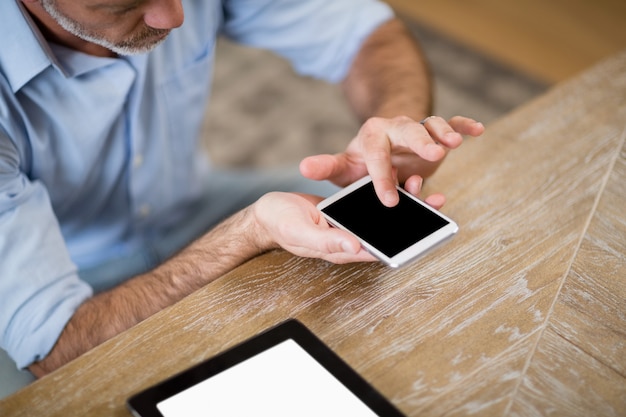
<point>164,14</point>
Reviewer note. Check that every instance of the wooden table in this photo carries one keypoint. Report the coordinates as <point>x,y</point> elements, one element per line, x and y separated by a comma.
<point>522,313</point>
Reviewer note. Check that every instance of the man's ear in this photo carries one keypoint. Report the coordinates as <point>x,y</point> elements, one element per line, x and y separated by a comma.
<point>30,1</point>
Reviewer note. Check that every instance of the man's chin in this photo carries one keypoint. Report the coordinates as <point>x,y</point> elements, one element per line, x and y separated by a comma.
<point>135,50</point>
<point>130,50</point>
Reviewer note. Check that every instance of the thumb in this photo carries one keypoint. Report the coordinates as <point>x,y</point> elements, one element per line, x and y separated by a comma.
<point>335,168</point>
<point>319,167</point>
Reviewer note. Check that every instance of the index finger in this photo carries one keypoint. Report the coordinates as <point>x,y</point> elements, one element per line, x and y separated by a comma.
<point>376,151</point>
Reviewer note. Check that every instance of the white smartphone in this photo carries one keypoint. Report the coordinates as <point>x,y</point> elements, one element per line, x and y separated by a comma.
<point>395,235</point>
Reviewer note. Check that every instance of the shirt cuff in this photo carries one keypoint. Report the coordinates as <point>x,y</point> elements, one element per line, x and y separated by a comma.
<point>34,329</point>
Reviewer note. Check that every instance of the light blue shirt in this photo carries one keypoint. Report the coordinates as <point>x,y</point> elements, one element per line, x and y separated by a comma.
<point>97,154</point>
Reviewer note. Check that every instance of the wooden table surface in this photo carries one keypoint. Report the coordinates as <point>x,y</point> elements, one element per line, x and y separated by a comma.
<point>522,313</point>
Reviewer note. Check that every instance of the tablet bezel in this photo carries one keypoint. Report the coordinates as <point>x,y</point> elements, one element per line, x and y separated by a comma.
<point>144,404</point>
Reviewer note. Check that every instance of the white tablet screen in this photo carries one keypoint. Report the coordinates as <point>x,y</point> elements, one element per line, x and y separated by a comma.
<point>281,381</point>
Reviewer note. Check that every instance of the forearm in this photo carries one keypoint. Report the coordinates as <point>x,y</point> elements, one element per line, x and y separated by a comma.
<point>110,313</point>
<point>389,76</point>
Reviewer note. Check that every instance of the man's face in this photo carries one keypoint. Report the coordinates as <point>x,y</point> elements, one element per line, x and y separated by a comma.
<point>126,27</point>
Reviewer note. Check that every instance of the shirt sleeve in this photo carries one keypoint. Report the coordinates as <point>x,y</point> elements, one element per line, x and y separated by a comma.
<point>319,37</point>
<point>39,286</point>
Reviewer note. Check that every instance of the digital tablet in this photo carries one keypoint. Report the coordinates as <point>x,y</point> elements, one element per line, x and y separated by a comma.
<point>284,371</point>
<point>395,235</point>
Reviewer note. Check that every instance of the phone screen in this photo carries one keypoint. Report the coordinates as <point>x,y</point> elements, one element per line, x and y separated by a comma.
<point>391,230</point>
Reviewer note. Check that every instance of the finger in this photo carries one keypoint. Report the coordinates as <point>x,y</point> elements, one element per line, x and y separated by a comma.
<point>382,138</point>
<point>408,133</point>
<point>413,185</point>
<point>336,168</point>
<point>338,246</point>
<point>334,241</point>
<point>466,126</point>
<point>377,157</point>
<point>375,148</point>
<point>341,258</point>
<point>318,167</point>
<point>315,238</point>
<point>440,131</point>
<point>436,201</point>
<point>331,244</point>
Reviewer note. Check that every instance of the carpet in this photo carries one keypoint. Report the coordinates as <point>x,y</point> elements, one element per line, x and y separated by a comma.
<point>262,114</point>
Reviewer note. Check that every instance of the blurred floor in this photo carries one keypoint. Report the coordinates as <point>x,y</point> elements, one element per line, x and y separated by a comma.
<point>262,114</point>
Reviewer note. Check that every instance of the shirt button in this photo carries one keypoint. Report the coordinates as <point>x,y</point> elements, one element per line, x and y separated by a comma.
<point>144,211</point>
<point>138,160</point>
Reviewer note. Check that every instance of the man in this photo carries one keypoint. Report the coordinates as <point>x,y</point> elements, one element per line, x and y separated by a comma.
<point>102,190</point>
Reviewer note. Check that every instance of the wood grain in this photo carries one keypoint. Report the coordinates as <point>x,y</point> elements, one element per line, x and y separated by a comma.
<point>580,365</point>
<point>522,313</point>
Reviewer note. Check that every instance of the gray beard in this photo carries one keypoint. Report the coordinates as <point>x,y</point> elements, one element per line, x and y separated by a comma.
<point>134,46</point>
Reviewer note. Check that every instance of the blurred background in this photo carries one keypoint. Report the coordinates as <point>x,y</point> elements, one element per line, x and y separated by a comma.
<point>488,57</point>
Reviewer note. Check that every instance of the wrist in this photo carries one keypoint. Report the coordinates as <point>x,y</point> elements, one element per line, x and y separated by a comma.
<point>256,230</point>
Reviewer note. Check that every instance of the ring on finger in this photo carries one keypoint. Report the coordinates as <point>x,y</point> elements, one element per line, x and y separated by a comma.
<point>424,120</point>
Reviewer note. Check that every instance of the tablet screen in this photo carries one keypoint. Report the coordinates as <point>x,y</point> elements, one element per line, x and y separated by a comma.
<point>284,371</point>
<point>281,381</point>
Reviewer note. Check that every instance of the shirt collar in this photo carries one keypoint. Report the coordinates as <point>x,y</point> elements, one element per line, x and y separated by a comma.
<point>24,52</point>
<point>27,53</point>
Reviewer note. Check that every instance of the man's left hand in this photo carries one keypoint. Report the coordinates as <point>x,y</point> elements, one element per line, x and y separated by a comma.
<point>391,151</point>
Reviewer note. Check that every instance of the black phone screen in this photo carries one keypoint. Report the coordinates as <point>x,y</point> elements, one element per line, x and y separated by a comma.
<point>389,229</point>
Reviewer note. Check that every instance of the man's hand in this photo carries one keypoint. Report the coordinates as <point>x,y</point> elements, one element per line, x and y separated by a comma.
<point>292,222</point>
<point>391,151</point>
<point>388,78</point>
